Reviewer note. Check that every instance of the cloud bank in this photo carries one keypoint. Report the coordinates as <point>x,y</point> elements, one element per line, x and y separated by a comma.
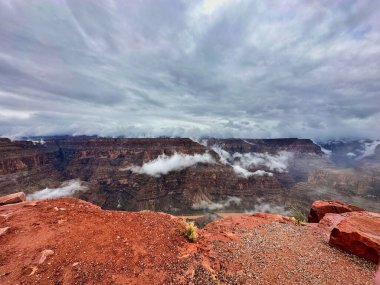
<point>212,206</point>
<point>369,149</point>
<point>263,207</point>
<point>68,188</point>
<point>225,68</point>
<point>276,162</point>
<point>164,164</point>
<point>241,163</point>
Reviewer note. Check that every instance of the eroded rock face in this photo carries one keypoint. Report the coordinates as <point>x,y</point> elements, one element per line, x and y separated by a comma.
<point>358,233</point>
<point>30,167</point>
<point>12,198</point>
<point>321,207</point>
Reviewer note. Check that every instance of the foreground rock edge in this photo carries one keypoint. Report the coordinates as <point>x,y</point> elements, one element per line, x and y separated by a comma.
<point>247,220</point>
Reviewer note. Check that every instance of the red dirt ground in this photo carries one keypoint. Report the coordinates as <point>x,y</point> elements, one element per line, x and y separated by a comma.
<point>92,246</point>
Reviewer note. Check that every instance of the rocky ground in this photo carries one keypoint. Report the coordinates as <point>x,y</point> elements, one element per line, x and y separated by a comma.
<point>68,241</point>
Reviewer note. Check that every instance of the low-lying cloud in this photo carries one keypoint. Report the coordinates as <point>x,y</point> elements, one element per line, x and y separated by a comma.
<point>241,163</point>
<point>265,207</point>
<point>67,188</point>
<point>164,164</point>
<point>277,162</point>
<point>212,206</point>
<point>369,149</point>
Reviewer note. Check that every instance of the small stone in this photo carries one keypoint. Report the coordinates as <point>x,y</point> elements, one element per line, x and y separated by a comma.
<point>4,231</point>
<point>33,270</point>
<point>44,255</point>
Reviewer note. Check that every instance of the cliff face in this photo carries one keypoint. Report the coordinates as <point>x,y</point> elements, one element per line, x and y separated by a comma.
<point>28,167</point>
<point>352,185</point>
<point>169,174</point>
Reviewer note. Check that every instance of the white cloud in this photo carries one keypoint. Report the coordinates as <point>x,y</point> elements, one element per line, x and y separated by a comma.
<point>262,173</point>
<point>265,207</point>
<point>268,208</point>
<point>208,205</point>
<point>245,173</point>
<point>241,163</point>
<point>164,164</point>
<point>224,156</point>
<point>274,162</point>
<point>369,149</point>
<point>241,171</point>
<point>68,188</point>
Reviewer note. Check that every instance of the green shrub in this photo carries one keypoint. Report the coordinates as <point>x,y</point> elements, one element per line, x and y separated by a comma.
<point>298,216</point>
<point>190,231</point>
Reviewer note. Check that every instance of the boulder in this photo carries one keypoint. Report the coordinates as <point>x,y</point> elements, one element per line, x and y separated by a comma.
<point>329,221</point>
<point>12,198</point>
<point>358,233</point>
<point>321,207</point>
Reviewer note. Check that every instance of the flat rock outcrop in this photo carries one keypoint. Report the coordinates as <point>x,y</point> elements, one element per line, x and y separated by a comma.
<point>358,233</point>
<point>321,207</point>
<point>12,198</point>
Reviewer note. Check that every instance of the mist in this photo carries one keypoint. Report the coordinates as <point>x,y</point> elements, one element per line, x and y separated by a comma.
<point>265,207</point>
<point>67,189</point>
<point>241,163</point>
<point>212,206</point>
<point>164,164</point>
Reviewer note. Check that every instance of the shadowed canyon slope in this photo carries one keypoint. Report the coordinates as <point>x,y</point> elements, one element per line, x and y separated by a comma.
<point>181,175</point>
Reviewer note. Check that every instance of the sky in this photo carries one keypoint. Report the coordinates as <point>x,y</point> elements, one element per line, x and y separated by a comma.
<point>238,68</point>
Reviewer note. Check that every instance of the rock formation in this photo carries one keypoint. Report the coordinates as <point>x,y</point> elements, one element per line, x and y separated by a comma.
<point>358,233</point>
<point>320,208</point>
<point>244,174</point>
<point>12,198</point>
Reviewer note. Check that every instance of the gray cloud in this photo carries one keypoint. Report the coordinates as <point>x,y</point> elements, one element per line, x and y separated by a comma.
<point>190,68</point>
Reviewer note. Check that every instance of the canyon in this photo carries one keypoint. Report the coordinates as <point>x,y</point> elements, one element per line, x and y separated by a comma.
<point>181,175</point>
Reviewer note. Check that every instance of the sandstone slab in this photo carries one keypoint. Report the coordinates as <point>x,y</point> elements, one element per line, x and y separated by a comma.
<point>12,198</point>
<point>321,207</point>
<point>358,233</point>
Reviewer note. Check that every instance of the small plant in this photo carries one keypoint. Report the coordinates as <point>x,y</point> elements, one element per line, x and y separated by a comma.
<point>298,216</point>
<point>190,231</point>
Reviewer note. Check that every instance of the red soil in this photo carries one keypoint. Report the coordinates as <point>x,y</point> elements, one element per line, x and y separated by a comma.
<point>68,241</point>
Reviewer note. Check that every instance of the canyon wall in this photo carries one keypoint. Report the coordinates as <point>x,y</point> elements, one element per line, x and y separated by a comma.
<point>166,174</point>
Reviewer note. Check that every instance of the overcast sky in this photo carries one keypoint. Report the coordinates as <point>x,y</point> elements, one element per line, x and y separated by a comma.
<point>222,68</point>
